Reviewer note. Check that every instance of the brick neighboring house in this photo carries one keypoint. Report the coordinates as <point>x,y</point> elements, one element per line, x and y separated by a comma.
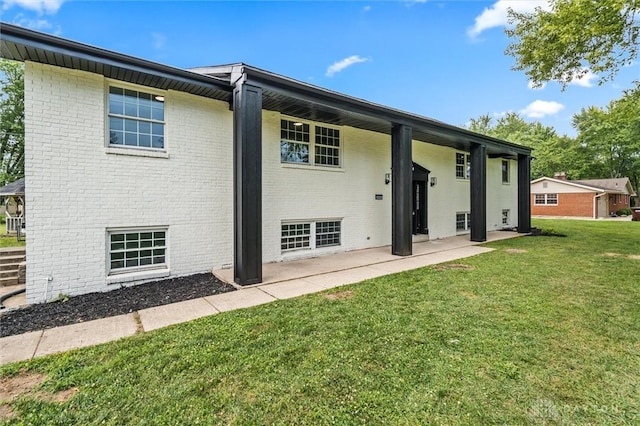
<point>595,198</point>
<point>137,170</point>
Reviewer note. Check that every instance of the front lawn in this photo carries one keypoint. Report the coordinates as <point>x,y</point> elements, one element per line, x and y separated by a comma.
<point>544,330</point>
<point>8,240</point>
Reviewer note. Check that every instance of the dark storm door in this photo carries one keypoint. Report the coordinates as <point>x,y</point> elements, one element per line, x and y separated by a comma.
<point>420,207</point>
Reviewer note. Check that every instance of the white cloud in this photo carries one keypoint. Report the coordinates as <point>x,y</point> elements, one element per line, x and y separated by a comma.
<point>367,8</point>
<point>40,6</point>
<point>36,24</point>
<point>531,86</point>
<point>159,40</point>
<point>496,15</point>
<point>584,80</point>
<point>343,64</point>
<point>540,109</point>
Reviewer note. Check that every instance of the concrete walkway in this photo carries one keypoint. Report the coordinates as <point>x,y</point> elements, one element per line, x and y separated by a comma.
<point>281,281</point>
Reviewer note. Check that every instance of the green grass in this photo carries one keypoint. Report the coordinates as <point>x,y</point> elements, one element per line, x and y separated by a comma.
<point>546,336</point>
<point>8,240</point>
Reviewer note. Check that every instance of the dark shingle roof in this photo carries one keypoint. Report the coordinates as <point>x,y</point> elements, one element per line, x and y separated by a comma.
<point>13,188</point>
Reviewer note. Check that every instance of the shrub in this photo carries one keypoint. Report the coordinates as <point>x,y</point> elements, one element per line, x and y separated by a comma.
<point>623,212</point>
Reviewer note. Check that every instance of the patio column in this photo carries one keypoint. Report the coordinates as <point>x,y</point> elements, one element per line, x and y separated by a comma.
<point>524,193</point>
<point>247,183</point>
<point>401,200</point>
<point>478,192</point>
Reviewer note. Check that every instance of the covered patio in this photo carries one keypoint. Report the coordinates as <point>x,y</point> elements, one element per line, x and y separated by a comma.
<point>303,276</point>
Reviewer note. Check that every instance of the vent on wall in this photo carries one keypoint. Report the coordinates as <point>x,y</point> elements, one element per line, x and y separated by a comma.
<point>545,184</point>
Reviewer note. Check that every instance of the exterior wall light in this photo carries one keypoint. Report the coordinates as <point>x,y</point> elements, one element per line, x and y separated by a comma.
<point>387,178</point>
<point>433,181</point>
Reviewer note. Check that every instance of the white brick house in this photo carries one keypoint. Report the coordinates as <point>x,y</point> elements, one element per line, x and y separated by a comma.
<point>136,170</point>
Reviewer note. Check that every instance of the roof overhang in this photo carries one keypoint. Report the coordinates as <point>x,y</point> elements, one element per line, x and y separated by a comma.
<point>580,185</point>
<point>306,101</point>
<point>21,44</point>
<point>280,93</point>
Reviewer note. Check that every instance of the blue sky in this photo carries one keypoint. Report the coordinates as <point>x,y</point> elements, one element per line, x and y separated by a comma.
<point>441,59</point>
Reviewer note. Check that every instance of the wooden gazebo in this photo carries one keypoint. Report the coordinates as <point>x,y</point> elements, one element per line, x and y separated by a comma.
<point>13,196</point>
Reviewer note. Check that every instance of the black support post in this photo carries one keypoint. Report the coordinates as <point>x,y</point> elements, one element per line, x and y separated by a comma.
<point>478,192</point>
<point>524,193</point>
<point>401,200</point>
<point>247,183</point>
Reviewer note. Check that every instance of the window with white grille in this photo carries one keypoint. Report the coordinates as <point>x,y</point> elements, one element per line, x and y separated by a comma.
<point>137,249</point>
<point>301,143</point>
<point>310,235</point>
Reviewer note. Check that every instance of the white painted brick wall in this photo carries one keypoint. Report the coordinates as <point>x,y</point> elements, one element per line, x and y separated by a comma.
<point>75,190</point>
<point>308,192</point>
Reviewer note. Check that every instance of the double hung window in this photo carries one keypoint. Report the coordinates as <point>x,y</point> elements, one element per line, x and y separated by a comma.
<point>136,119</point>
<point>463,165</point>
<point>546,199</point>
<point>302,143</point>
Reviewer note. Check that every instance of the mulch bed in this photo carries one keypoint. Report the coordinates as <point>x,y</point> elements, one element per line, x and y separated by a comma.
<point>124,300</point>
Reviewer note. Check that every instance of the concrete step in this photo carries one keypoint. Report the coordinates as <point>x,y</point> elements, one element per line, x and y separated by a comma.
<point>8,281</point>
<point>11,259</point>
<point>12,251</point>
<point>9,274</point>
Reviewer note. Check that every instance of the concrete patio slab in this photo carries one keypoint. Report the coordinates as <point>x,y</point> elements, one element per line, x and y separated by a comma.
<point>243,298</point>
<point>19,347</point>
<point>175,313</point>
<point>289,289</point>
<point>88,333</point>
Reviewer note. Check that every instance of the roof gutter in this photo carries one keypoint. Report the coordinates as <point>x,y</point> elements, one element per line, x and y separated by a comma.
<point>12,34</point>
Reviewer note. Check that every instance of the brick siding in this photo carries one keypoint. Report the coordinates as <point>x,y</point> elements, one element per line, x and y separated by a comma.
<point>576,204</point>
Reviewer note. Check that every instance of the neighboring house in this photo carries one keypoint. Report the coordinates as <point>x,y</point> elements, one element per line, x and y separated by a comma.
<point>138,170</point>
<point>595,198</point>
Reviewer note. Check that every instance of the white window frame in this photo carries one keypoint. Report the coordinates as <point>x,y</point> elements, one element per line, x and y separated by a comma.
<point>463,169</point>
<point>315,130</point>
<point>110,250</point>
<point>312,235</point>
<point>506,163</point>
<point>467,222</point>
<point>506,216</point>
<point>545,199</point>
<point>155,94</point>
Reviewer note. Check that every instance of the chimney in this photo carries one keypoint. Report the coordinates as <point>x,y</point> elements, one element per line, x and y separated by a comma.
<point>560,175</point>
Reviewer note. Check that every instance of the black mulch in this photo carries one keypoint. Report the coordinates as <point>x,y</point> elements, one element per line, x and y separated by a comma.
<point>117,302</point>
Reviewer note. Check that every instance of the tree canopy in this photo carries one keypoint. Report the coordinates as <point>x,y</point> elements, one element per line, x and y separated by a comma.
<point>575,36</point>
<point>11,121</point>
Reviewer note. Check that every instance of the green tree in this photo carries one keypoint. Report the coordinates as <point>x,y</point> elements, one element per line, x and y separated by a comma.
<point>612,135</point>
<point>575,35</point>
<point>11,121</point>
<point>552,153</point>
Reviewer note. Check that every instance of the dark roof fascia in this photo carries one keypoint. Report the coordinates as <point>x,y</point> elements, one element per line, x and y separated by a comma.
<point>298,89</point>
<point>48,43</point>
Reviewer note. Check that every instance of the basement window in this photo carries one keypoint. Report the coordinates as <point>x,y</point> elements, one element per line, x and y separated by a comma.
<point>310,235</point>
<point>463,222</point>
<point>505,216</point>
<point>137,249</point>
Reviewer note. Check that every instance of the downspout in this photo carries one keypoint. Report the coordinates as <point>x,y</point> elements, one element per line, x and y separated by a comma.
<point>595,204</point>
